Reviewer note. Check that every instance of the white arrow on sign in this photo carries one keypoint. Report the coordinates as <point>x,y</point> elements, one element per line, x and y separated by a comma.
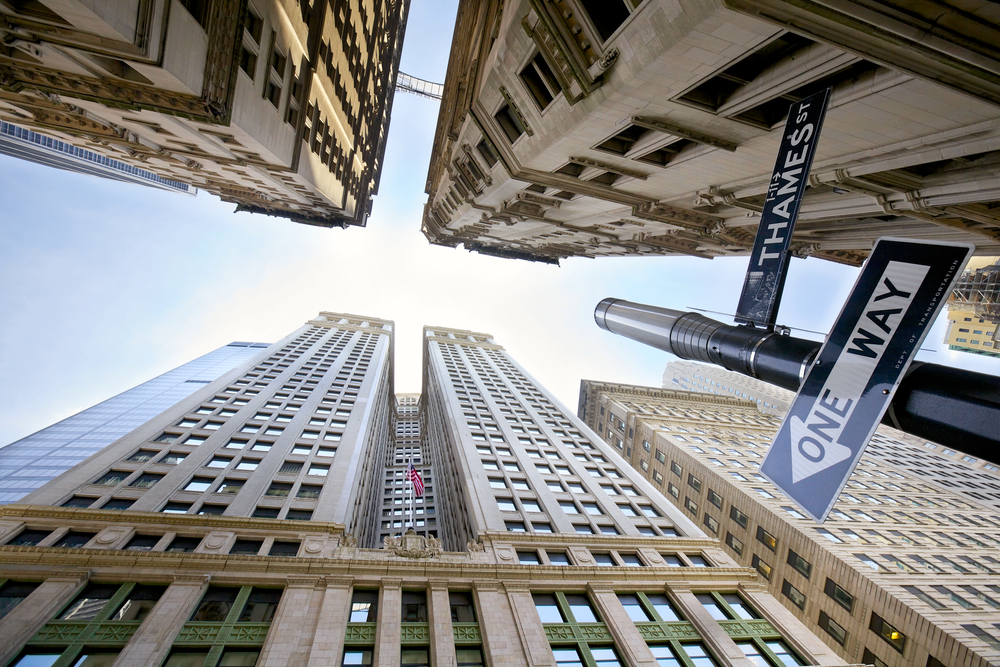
<point>815,440</point>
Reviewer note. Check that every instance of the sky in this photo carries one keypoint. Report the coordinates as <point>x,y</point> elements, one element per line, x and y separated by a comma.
<point>104,285</point>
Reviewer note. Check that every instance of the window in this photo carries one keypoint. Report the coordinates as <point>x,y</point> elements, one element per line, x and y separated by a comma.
<point>734,543</point>
<point>248,464</point>
<point>528,558</point>
<point>886,631</point>
<point>308,491</point>
<point>29,538</point>
<point>674,468</point>
<point>230,486</point>
<point>738,516</point>
<point>319,470</point>
<point>146,480</point>
<point>558,558</point>
<point>630,560</point>
<point>694,482</point>
<point>515,526</point>
<point>112,478</point>
<point>548,608</point>
<point>290,468</point>
<point>176,508</point>
<point>690,505</point>
<point>75,540</point>
<point>712,523</point>
<point>767,539</point>
<point>579,607</point>
<point>509,123</point>
<point>462,609</point>
<point>199,484</point>
<point>141,456</point>
<point>173,458</point>
<point>870,658</point>
<point>414,607</point>
<point>89,603</point>
<point>12,593</point>
<point>634,608</point>
<point>354,657</point>
<point>761,567</point>
<point>696,654</point>
<point>797,597</point>
<point>983,636</point>
<point>538,78</point>
<point>142,543</point>
<point>715,498</point>
<point>832,628</point>
<point>923,597</point>
<point>803,566</point>
<point>139,602</point>
<point>364,607</point>
<point>278,490</point>
<point>606,15</point>
<point>841,596</point>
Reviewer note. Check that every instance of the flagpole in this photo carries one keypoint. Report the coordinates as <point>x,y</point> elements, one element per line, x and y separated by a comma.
<point>413,489</point>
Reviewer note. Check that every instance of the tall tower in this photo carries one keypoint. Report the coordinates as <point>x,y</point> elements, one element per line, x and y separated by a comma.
<point>903,572</point>
<point>36,459</point>
<point>254,531</point>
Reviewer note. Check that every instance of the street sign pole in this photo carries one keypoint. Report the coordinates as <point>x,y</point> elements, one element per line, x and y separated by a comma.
<point>765,279</point>
<point>898,295</point>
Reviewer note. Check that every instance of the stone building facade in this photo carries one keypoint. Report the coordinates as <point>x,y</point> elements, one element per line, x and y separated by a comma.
<point>279,107</point>
<point>235,536</point>
<point>582,128</point>
<point>710,379</point>
<point>903,572</point>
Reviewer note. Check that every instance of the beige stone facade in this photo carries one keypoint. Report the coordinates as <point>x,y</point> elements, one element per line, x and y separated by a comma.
<point>551,551</point>
<point>279,107</point>
<point>710,379</point>
<point>581,128</point>
<point>903,572</point>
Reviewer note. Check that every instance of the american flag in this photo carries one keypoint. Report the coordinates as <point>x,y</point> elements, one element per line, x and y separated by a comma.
<point>418,483</point>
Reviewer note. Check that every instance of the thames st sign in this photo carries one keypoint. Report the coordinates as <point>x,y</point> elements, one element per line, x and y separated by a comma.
<point>895,300</point>
<point>769,258</point>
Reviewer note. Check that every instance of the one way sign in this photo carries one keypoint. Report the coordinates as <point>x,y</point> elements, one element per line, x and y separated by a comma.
<point>895,301</point>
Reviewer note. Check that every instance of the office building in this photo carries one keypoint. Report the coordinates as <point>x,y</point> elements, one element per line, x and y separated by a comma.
<point>24,144</point>
<point>577,128</point>
<point>708,378</point>
<point>974,309</point>
<point>36,459</point>
<point>903,572</point>
<point>280,109</point>
<point>242,527</point>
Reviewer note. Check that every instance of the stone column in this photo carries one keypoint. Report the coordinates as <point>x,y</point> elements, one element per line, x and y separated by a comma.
<point>293,625</point>
<point>28,617</point>
<point>152,641</point>
<point>796,634</point>
<point>335,610</point>
<point>390,618</point>
<point>442,636</point>
<point>501,639</point>
<point>529,626</point>
<point>716,639</point>
<point>630,643</point>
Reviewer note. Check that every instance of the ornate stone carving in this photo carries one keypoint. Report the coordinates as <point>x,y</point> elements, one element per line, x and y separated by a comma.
<point>674,215</point>
<point>349,540</point>
<point>412,545</point>
<point>475,547</point>
<point>605,62</point>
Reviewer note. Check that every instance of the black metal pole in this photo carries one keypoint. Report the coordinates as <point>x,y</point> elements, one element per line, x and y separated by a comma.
<point>948,405</point>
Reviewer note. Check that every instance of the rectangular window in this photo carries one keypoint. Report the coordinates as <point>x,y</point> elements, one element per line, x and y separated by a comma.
<point>540,81</point>
<point>12,593</point>
<point>509,123</point>
<point>832,628</point>
<point>694,482</point>
<point>840,596</point>
<point>761,567</point>
<point>715,498</point>
<point>364,607</point>
<point>734,543</point>
<point>767,539</point>
<point>739,517</point>
<point>712,523</point>
<point>888,632</point>
<point>803,566</point>
<point>797,597</point>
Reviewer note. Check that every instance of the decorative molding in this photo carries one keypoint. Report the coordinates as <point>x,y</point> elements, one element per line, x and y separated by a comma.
<point>597,164</point>
<point>516,111</point>
<point>673,215</point>
<point>684,133</point>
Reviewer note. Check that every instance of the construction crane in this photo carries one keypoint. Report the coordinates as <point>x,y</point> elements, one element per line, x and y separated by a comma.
<point>411,84</point>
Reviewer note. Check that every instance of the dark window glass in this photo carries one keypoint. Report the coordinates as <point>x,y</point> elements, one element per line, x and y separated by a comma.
<point>246,547</point>
<point>261,605</point>
<point>767,539</point>
<point>509,123</point>
<point>139,603</point>
<point>833,628</point>
<point>888,632</point>
<point>142,543</point>
<point>80,501</point>
<point>29,538</point>
<point>469,657</point>
<point>799,563</point>
<point>843,598</point>
<point>12,593</point>
<point>285,549</point>
<point>734,543</point>
<point>414,657</point>
<point>797,597</point>
<point>299,515</point>
<point>184,544</point>
<point>75,540</point>
<point>266,513</point>
<point>118,504</point>
<point>414,607</point>
<point>870,658</point>
<point>738,516</point>
<point>761,567</point>
<point>462,608</point>
<point>606,15</point>
<point>216,604</point>
<point>90,602</point>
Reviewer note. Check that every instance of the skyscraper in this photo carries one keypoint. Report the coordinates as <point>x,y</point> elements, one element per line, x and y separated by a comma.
<point>711,379</point>
<point>903,572</point>
<point>34,460</point>
<point>578,128</point>
<point>282,110</point>
<point>253,531</point>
